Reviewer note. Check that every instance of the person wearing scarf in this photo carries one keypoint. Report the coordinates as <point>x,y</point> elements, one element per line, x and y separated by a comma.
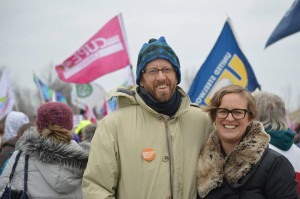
<point>272,114</point>
<point>149,147</point>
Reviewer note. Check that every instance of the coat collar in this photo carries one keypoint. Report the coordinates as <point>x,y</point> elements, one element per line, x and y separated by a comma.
<point>213,166</point>
<point>68,155</point>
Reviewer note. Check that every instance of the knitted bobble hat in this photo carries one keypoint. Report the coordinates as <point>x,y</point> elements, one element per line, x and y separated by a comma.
<point>54,113</point>
<point>156,49</point>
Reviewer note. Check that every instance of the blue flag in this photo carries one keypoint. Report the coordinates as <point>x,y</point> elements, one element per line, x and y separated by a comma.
<point>226,64</point>
<point>289,24</point>
<point>46,91</point>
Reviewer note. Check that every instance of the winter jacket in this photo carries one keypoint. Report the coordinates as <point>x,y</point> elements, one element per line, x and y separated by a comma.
<point>55,170</point>
<point>282,141</point>
<point>118,166</point>
<point>251,170</point>
<point>8,148</point>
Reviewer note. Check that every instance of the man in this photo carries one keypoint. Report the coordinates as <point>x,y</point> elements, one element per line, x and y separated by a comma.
<point>148,149</point>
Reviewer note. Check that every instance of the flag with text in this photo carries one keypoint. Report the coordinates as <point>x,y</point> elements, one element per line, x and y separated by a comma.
<point>104,53</point>
<point>226,64</point>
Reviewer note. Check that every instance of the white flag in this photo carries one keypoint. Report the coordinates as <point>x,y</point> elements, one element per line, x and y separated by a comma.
<point>7,99</point>
<point>87,95</point>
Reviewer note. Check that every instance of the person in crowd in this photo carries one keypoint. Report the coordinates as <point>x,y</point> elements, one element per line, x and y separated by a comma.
<point>236,161</point>
<point>149,147</point>
<point>81,125</point>
<point>9,146</point>
<point>56,162</point>
<point>272,114</point>
<point>1,133</point>
<point>87,135</point>
<point>13,122</point>
<point>297,131</point>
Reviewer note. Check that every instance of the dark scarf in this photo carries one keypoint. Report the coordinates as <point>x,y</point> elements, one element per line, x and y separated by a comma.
<point>168,108</point>
<point>282,139</point>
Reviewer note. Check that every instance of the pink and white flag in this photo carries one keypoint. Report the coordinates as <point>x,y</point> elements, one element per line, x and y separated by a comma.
<point>104,53</point>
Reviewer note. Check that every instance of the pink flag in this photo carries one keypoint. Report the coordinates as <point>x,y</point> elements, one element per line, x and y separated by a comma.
<point>104,53</point>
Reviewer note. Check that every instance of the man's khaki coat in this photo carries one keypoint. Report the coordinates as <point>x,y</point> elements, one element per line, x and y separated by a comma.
<point>116,166</point>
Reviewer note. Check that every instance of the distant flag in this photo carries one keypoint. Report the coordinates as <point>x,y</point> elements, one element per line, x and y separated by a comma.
<point>89,114</point>
<point>7,98</point>
<point>104,53</point>
<point>289,24</point>
<point>109,106</point>
<point>226,64</point>
<point>59,97</point>
<point>47,93</point>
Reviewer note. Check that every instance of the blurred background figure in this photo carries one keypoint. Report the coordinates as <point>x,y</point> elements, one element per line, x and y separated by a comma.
<point>1,133</point>
<point>87,135</point>
<point>13,122</point>
<point>81,125</point>
<point>56,162</point>
<point>297,131</point>
<point>272,114</point>
<point>9,146</point>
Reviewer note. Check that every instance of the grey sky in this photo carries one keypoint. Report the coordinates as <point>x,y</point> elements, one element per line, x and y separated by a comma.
<point>37,34</point>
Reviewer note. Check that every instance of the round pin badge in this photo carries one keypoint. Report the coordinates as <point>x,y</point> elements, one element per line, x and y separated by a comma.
<point>148,154</point>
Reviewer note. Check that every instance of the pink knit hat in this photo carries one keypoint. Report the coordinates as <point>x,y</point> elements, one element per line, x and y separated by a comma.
<point>54,113</point>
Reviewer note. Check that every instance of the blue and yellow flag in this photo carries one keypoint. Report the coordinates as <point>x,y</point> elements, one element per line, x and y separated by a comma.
<point>226,64</point>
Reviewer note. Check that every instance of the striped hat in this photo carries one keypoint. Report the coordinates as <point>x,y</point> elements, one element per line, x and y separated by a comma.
<point>156,49</point>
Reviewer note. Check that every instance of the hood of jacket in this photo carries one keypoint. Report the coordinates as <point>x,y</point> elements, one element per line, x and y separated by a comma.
<point>213,166</point>
<point>13,122</point>
<point>68,155</point>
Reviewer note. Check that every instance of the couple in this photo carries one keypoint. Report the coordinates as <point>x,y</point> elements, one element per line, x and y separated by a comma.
<point>150,147</point>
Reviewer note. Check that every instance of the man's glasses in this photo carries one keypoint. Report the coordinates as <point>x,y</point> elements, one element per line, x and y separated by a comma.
<point>237,114</point>
<point>155,71</point>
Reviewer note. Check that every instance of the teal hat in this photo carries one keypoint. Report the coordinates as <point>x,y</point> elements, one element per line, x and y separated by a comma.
<point>156,49</point>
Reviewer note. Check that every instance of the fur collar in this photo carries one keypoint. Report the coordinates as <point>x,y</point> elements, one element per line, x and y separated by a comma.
<point>213,166</point>
<point>71,156</point>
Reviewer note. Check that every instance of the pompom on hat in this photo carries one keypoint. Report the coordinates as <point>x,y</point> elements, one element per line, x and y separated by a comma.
<point>54,113</point>
<point>156,49</point>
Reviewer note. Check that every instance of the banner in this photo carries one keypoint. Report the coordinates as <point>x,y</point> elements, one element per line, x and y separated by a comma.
<point>289,24</point>
<point>104,53</point>
<point>87,94</point>
<point>7,98</point>
<point>226,64</point>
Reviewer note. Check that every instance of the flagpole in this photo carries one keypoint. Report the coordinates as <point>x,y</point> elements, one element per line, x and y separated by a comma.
<point>126,43</point>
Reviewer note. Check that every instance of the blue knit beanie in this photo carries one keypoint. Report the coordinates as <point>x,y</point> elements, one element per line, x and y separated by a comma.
<point>156,49</point>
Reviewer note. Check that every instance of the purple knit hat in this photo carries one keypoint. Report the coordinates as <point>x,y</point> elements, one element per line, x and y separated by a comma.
<point>54,113</point>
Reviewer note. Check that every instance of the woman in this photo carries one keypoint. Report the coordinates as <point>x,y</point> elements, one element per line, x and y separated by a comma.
<point>13,122</point>
<point>236,161</point>
<point>56,162</point>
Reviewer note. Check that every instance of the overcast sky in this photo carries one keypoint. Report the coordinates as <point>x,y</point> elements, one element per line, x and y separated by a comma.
<point>38,34</point>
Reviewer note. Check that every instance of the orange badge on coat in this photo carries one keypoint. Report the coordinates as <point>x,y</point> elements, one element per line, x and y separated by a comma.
<point>148,154</point>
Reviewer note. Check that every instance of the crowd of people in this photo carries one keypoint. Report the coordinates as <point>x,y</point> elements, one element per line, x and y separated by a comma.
<point>156,145</point>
